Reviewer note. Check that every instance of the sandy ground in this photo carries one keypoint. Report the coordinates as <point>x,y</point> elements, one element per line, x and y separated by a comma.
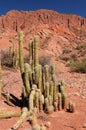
<point>60,120</point>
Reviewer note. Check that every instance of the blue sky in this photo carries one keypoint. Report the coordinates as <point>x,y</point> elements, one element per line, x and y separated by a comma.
<point>63,6</point>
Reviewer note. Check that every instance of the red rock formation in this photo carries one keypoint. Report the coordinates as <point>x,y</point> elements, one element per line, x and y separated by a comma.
<point>57,31</point>
<point>15,20</point>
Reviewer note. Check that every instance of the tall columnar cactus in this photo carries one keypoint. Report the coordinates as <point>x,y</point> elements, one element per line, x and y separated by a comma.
<point>30,51</point>
<point>31,54</point>
<point>51,89</point>
<point>37,100</point>
<point>31,100</point>
<point>40,86</point>
<point>26,78</point>
<point>24,93</point>
<point>46,104</point>
<point>50,100</point>
<point>54,88</point>
<point>36,59</point>
<point>40,102</point>
<point>36,74</point>
<point>55,104</point>
<point>38,77</point>
<point>52,69</point>
<point>16,58</point>
<point>21,55</point>
<point>46,70</point>
<point>0,77</point>
<point>59,102</point>
<point>64,101</point>
<point>47,87</point>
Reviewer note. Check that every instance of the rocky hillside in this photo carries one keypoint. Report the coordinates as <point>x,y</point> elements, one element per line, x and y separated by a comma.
<point>59,34</point>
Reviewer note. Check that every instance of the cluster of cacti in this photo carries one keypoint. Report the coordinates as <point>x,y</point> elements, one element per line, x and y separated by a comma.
<point>39,82</point>
<point>61,96</point>
<point>14,56</point>
<point>40,91</point>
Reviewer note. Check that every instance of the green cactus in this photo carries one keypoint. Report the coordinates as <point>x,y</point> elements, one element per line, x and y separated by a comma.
<point>26,78</point>
<point>51,89</point>
<point>59,102</point>
<point>62,83</point>
<point>31,100</point>
<point>52,69</point>
<point>46,70</point>
<point>40,79</point>
<point>8,114</point>
<point>50,109</point>
<point>50,100</point>
<point>54,88</point>
<point>31,51</point>
<point>36,59</point>
<point>8,97</point>
<point>71,107</point>
<point>21,119</point>
<point>37,100</point>
<point>36,74</point>
<point>55,104</point>
<point>40,102</point>
<point>31,54</point>
<point>24,93</point>
<point>21,56</point>
<point>16,58</point>
<point>36,127</point>
<point>47,87</point>
<point>46,104</point>
<point>43,127</point>
<point>64,101</point>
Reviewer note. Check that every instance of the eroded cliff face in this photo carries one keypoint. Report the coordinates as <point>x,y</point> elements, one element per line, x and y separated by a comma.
<point>15,20</point>
<point>56,31</point>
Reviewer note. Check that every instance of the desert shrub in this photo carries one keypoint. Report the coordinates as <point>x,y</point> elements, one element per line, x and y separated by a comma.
<point>79,46</point>
<point>6,59</point>
<point>66,51</point>
<point>64,58</point>
<point>73,57</point>
<point>45,59</point>
<point>26,58</point>
<point>79,66</point>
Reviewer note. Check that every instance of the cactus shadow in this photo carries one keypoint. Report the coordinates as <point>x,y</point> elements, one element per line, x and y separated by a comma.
<point>14,100</point>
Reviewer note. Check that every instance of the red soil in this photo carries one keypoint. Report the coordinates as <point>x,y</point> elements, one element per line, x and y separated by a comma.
<point>60,120</point>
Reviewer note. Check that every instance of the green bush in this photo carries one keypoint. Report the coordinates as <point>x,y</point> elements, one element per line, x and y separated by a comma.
<point>79,66</point>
